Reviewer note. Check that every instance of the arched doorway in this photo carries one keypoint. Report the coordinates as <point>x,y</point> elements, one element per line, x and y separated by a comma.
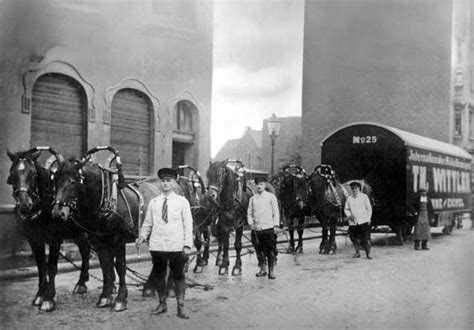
<point>59,115</point>
<point>131,130</point>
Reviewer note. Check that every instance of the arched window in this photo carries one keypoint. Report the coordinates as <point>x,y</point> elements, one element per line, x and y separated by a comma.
<point>183,120</point>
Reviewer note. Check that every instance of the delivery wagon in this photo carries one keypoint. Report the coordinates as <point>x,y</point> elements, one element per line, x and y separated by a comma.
<point>397,164</point>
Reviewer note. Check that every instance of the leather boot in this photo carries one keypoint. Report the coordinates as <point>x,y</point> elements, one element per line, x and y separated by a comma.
<point>357,248</point>
<point>417,244</point>
<point>162,308</point>
<point>424,245</point>
<point>263,266</point>
<point>180,290</point>
<point>271,264</point>
<point>367,250</point>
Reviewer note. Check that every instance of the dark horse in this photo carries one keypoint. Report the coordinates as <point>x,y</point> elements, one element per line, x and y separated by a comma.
<point>327,199</point>
<point>85,194</point>
<point>33,193</point>
<point>204,211</point>
<point>228,186</point>
<point>292,187</point>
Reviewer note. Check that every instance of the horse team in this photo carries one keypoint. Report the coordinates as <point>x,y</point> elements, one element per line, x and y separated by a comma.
<point>92,204</point>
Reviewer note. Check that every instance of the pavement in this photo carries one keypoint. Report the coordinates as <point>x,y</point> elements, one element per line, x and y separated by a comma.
<point>22,265</point>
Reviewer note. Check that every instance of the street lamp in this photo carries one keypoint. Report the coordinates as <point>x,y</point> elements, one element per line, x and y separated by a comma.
<point>273,130</point>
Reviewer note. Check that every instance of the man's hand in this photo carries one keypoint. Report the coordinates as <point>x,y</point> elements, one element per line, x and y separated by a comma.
<point>186,250</point>
<point>277,229</point>
<point>140,240</point>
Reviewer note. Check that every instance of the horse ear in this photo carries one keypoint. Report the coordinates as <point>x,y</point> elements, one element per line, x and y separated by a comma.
<point>11,155</point>
<point>35,155</point>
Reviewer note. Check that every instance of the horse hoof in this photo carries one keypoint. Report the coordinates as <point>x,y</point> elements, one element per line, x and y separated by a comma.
<point>147,293</point>
<point>198,269</point>
<point>48,306</point>
<point>104,302</point>
<point>204,263</point>
<point>80,289</point>
<point>236,271</point>
<point>119,306</point>
<point>223,270</point>
<point>290,250</point>
<point>37,301</point>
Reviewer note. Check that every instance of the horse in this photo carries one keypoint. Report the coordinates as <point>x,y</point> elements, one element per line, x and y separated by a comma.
<point>111,216</point>
<point>204,212</point>
<point>228,188</point>
<point>292,187</point>
<point>33,194</point>
<point>327,199</point>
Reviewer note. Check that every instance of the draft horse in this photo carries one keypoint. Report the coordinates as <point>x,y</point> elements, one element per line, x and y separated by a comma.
<point>292,187</point>
<point>227,185</point>
<point>85,194</point>
<point>33,194</point>
<point>204,212</point>
<point>327,199</point>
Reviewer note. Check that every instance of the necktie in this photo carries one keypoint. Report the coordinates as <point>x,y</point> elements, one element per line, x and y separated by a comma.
<point>164,210</point>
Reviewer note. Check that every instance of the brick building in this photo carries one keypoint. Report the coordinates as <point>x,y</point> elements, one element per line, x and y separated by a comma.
<point>74,75</point>
<point>386,61</point>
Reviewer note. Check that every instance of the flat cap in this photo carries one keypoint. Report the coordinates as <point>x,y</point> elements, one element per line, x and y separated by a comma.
<point>167,172</point>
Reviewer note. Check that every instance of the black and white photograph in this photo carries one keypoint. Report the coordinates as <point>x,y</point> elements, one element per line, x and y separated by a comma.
<point>237,164</point>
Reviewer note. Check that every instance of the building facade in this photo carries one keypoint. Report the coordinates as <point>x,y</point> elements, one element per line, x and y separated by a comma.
<point>383,61</point>
<point>136,76</point>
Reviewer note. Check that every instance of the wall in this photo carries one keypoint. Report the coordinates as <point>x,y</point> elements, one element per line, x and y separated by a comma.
<point>385,61</point>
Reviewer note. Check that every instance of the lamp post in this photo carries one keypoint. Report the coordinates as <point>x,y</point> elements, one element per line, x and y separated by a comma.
<point>273,130</point>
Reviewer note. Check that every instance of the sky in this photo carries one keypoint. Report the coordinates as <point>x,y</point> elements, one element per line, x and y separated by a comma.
<point>258,55</point>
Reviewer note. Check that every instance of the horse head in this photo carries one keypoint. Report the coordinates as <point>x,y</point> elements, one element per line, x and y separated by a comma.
<point>293,185</point>
<point>67,182</point>
<point>325,186</point>
<point>30,181</point>
<point>24,180</point>
<point>226,184</point>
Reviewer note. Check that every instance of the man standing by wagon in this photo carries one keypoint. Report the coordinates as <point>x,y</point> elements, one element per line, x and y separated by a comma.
<point>359,212</point>
<point>422,230</point>
<point>169,227</point>
<point>264,217</point>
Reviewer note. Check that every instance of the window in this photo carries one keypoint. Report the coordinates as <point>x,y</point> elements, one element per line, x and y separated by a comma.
<point>183,116</point>
<point>471,122</point>
<point>458,123</point>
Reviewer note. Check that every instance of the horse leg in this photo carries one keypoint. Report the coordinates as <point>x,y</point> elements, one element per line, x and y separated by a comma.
<point>85,250</point>
<point>198,245</point>
<point>237,270</point>
<point>207,241</point>
<point>120,303</point>
<point>106,262</point>
<point>49,304</point>
<point>332,246</point>
<point>323,247</point>
<point>291,231</point>
<point>224,266</point>
<point>37,248</point>
<point>299,247</point>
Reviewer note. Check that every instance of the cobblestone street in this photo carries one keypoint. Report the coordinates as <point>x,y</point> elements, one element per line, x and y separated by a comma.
<point>399,289</point>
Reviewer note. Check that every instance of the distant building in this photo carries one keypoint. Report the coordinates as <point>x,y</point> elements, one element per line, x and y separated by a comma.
<point>80,74</point>
<point>288,147</point>
<point>248,149</point>
<point>254,147</point>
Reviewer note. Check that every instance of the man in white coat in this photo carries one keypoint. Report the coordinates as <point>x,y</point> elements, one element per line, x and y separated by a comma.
<point>168,226</point>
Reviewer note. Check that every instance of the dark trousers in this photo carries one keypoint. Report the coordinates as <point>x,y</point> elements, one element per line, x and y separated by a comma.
<point>360,236</point>
<point>264,242</point>
<point>176,262</point>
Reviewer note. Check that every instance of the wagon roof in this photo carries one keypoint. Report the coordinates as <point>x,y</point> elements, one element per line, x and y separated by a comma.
<point>414,140</point>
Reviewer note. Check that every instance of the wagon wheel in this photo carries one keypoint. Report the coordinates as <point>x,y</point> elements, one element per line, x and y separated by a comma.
<point>403,233</point>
